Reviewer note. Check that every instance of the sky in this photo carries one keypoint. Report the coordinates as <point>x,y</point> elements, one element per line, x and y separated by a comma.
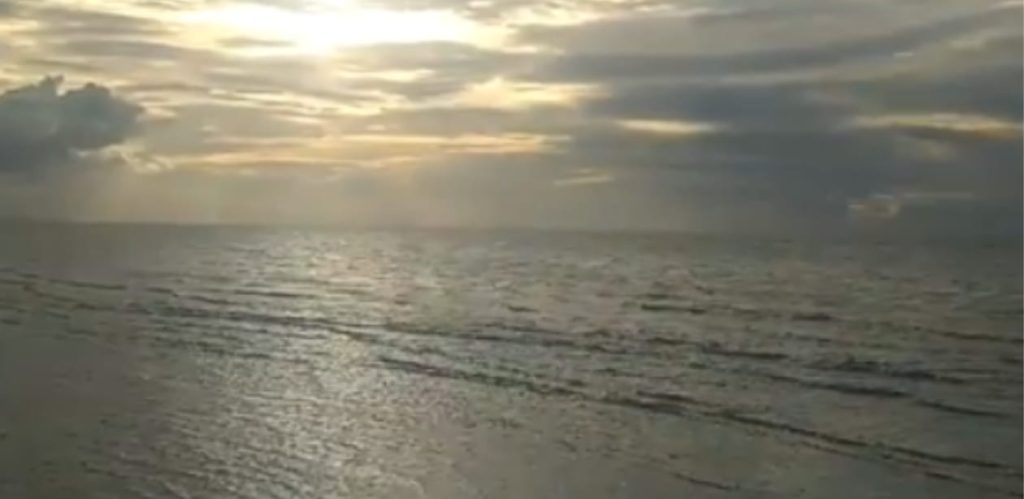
<point>711,115</point>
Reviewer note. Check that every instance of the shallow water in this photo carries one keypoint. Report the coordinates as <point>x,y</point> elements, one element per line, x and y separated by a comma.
<point>157,361</point>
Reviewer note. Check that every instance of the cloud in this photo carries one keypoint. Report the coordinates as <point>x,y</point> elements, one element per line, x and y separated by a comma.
<point>774,106</point>
<point>662,127</point>
<point>949,122</point>
<point>584,179</point>
<point>800,129</point>
<point>876,206</point>
<point>40,126</point>
<point>85,22</point>
<point>616,49</point>
<point>805,114</point>
<point>960,213</point>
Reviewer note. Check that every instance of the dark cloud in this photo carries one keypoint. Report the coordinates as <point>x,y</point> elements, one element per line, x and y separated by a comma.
<point>776,106</point>
<point>805,180</point>
<point>804,173</point>
<point>580,60</point>
<point>962,85</point>
<point>794,150</point>
<point>989,86</point>
<point>40,126</point>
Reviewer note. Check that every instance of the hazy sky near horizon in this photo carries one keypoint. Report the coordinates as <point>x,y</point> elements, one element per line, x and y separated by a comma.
<point>649,114</point>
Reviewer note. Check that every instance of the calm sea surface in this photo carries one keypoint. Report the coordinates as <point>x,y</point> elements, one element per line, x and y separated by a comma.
<point>174,362</point>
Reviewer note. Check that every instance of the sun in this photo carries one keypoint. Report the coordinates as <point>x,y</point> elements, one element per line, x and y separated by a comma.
<point>331,26</point>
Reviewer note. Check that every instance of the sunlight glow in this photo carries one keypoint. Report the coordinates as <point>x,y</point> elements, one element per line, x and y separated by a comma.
<point>664,127</point>
<point>951,122</point>
<point>593,179</point>
<point>328,29</point>
<point>499,93</point>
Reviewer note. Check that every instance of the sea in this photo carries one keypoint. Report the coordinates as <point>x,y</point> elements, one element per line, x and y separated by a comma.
<point>162,361</point>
